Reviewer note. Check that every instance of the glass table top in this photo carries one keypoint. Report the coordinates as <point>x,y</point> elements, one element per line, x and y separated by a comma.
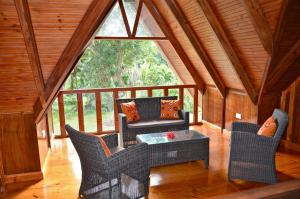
<point>159,138</point>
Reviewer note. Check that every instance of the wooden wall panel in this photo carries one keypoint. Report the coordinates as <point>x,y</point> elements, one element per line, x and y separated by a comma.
<point>17,86</point>
<point>54,22</point>
<point>19,144</point>
<point>183,40</point>
<point>207,37</point>
<point>212,106</point>
<point>43,140</point>
<point>243,37</point>
<point>239,102</point>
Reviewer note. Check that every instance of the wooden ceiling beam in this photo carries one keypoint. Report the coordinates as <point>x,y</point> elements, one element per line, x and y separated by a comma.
<point>22,8</point>
<point>198,46</point>
<point>283,65</point>
<point>125,20</point>
<point>277,37</point>
<point>228,48</point>
<point>178,48</point>
<point>80,39</point>
<point>260,24</point>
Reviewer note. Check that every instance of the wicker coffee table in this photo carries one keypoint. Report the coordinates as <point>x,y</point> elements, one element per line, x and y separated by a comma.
<point>188,145</point>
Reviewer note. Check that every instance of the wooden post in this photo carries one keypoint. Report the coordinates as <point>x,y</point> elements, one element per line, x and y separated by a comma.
<point>181,97</point>
<point>166,92</point>
<point>115,96</point>
<point>291,113</point>
<point>149,92</point>
<point>195,105</point>
<point>98,112</point>
<point>61,111</point>
<point>133,94</point>
<point>223,112</point>
<point>80,112</point>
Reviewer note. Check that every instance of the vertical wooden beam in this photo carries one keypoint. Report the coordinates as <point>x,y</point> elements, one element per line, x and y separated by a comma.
<point>61,112</point>
<point>31,46</point>
<point>291,113</point>
<point>133,94</point>
<point>98,112</point>
<point>228,48</point>
<point>166,92</point>
<point>149,92</point>
<point>137,18</point>
<point>80,112</point>
<point>260,24</point>
<point>198,46</point>
<point>181,97</point>
<point>195,105</point>
<point>124,17</point>
<point>223,122</point>
<point>178,48</point>
<point>116,96</point>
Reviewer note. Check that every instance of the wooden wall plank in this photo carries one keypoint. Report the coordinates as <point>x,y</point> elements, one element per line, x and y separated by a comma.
<point>19,145</point>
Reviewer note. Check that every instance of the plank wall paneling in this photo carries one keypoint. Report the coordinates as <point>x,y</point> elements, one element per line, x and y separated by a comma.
<point>19,145</point>
<point>239,102</point>
<point>15,70</point>
<point>43,136</point>
<point>54,22</point>
<point>212,106</point>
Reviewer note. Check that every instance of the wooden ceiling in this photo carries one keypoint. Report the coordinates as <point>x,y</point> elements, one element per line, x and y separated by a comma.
<point>227,43</point>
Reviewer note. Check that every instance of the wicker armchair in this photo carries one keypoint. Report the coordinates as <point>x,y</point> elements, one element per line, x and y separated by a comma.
<point>252,157</point>
<point>125,174</point>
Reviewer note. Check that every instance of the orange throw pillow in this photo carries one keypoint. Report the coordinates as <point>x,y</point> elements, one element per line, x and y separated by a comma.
<point>268,129</point>
<point>105,147</point>
<point>169,109</point>
<point>130,110</point>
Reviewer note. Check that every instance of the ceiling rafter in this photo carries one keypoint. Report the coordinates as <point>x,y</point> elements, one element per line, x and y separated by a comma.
<point>198,46</point>
<point>137,18</point>
<point>124,17</point>
<point>83,34</point>
<point>178,48</point>
<point>228,48</point>
<point>260,24</point>
<point>283,65</point>
<point>22,8</point>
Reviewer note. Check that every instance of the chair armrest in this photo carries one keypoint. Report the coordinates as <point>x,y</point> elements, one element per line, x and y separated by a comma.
<point>133,161</point>
<point>185,115</point>
<point>111,140</point>
<point>245,127</point>
<point>249,143</point>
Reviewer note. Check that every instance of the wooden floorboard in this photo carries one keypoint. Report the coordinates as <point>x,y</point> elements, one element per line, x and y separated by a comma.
<point>188,180</point>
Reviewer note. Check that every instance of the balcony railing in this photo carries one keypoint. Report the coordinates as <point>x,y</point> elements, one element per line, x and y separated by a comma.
<point>115,93</point>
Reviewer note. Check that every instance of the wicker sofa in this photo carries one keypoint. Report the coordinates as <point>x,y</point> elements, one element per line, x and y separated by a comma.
<point>149,111</point>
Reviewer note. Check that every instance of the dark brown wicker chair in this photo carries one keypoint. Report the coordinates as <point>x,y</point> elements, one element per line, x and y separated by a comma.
<point>125,174</point>
<point>252,157</point>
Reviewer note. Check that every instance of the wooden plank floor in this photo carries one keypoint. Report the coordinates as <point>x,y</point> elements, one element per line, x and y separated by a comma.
<point>188,180</point>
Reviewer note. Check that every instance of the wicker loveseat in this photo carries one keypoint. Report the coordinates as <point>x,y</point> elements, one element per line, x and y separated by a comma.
<point>149,111</point>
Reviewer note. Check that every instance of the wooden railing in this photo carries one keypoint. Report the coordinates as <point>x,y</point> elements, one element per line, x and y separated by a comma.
<point>115,94</point>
